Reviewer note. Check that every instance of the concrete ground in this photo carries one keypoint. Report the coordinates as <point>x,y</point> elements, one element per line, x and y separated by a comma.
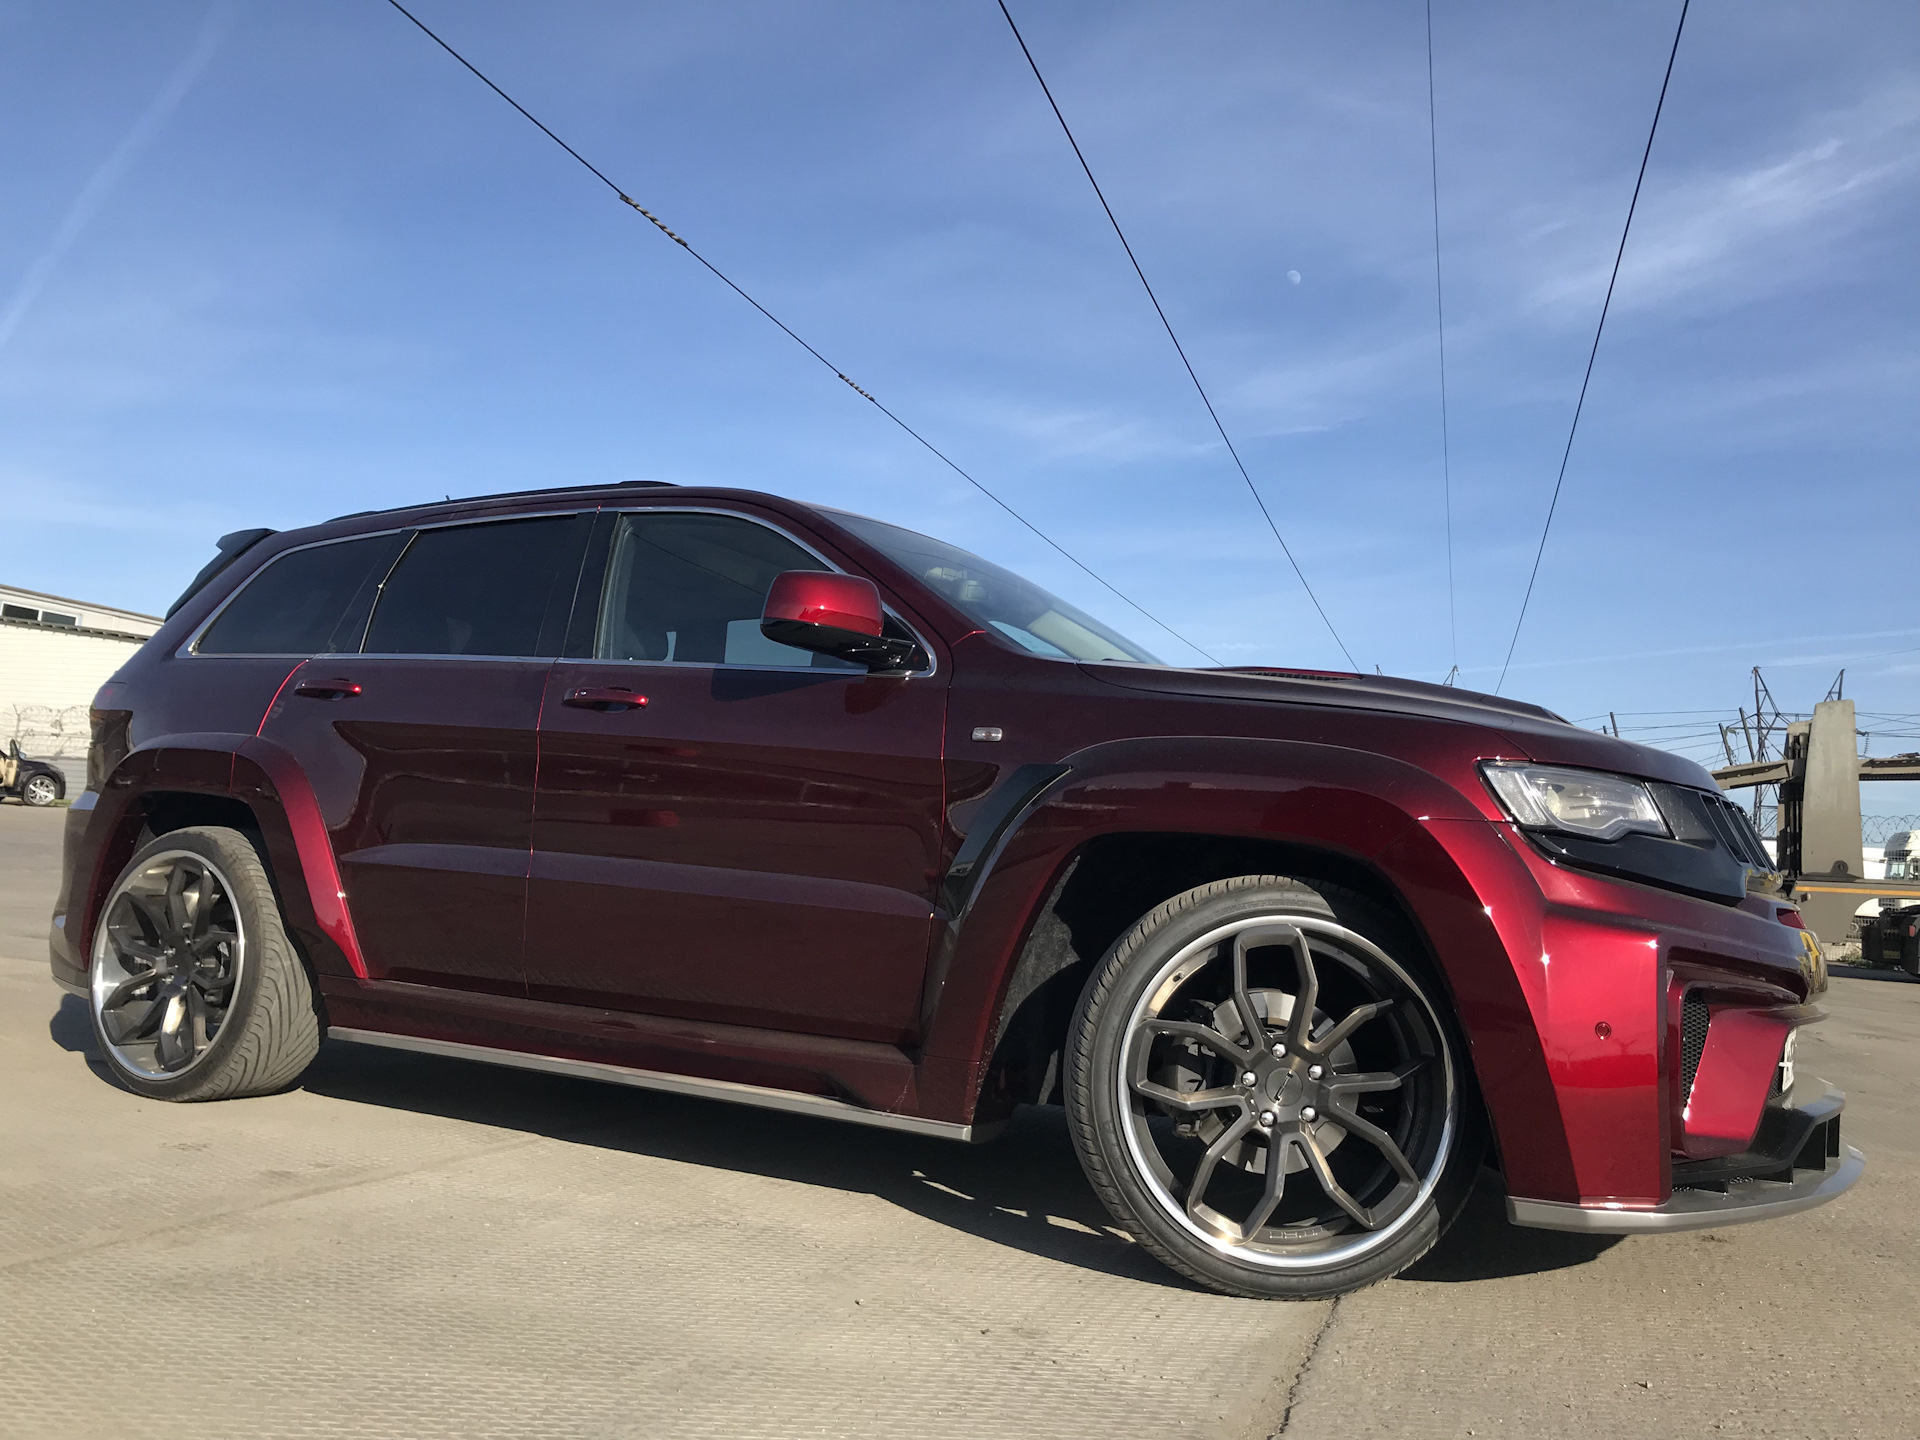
<point>423,1247</point>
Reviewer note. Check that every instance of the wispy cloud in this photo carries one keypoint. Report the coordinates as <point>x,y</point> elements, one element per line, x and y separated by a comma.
<point>100,185</point>
<point>1713,238</point>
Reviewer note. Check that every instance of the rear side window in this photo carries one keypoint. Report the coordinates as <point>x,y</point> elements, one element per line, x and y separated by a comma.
<point>306,602</point>
<point>475,589</point>
<point>691,588</point>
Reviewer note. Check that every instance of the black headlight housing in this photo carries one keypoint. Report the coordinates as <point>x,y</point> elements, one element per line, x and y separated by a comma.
<point>1710,850</point>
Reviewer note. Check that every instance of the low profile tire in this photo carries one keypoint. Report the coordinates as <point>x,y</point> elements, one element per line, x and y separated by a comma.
<point>1268,1091</point>
<point>195,989</point>
<point>39,791</point>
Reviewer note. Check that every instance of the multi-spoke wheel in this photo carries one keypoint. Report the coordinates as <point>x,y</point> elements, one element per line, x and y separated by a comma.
<point>39,791</point>
<point>1266,1095</point>
<point>196,991</point>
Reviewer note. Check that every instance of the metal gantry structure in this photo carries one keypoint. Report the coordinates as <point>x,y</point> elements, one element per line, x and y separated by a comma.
<point>1817,841</point>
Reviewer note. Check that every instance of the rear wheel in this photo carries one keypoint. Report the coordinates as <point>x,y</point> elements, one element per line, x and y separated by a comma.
<point>1268,1093</point>
<point>40,790</point>
<point>196,991</point>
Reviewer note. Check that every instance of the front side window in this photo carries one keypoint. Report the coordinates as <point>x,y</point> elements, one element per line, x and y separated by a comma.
<point>306,602</point>
<point>690,588</point>
<point>474,589</point>
<point>1017,610</point>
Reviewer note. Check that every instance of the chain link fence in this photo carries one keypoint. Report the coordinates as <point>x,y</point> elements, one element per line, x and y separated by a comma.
<point>48,732</point>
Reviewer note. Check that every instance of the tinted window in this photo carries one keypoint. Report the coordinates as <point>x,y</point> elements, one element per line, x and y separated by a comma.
<point>474,589</point>
<point>691,588</point>
<point>307,602</point>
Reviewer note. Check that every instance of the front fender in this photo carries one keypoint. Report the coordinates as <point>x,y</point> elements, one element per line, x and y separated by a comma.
<point>1398,821</point>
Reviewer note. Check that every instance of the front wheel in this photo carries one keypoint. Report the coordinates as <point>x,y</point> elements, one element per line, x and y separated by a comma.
<point>196,990</point>
<point>39,791</point>
<point>1267,1092</point>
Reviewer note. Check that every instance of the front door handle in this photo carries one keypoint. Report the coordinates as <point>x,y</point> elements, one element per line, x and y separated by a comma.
<point>604,697</point>
<point>327,689</point>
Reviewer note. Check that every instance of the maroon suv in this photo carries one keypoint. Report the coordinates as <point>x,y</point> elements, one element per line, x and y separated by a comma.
<point>712,792</point>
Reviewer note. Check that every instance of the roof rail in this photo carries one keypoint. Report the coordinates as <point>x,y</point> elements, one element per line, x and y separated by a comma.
<point>511,495</point>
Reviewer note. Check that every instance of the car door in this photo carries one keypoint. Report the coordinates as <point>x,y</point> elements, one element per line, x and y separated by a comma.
<point>420,742</point>
<point>757,842</point>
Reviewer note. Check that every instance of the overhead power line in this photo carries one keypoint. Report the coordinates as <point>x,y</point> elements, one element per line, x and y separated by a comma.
<point>1067,130</point>
<point>1598,330</point>
<point>724,279</point>
<point>1440,318</point>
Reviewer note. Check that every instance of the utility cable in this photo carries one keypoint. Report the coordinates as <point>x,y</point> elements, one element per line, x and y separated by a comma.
<point>1178,347</point>
<point>1440,316</point>
<point>1599,330</point>
<point>838,373</point>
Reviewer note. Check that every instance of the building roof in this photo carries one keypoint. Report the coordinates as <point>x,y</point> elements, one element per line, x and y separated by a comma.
<point>68,600</point>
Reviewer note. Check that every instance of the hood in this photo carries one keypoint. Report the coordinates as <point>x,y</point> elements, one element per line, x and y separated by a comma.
<point>1532,730</point>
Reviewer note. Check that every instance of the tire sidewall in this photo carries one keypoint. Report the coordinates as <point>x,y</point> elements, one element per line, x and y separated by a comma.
<point>1102,1121</point>
<point>239,863</point>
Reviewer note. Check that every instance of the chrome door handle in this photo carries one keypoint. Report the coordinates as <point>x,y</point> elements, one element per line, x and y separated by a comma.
<point>605,697</point>
<point>327,689</point>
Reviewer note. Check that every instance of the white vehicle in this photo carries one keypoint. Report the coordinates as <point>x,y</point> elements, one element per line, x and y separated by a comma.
<point>1897,854</point>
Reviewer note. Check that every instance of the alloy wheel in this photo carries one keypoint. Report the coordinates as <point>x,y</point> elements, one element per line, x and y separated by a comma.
<point>40,790</point>
<point>166,963</point>
<point>1287,1093</point>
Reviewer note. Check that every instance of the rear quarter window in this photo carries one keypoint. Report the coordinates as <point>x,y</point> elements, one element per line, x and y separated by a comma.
<point>311,601</point>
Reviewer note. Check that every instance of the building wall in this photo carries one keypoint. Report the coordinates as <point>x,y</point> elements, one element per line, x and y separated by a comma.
<point>48,676</point>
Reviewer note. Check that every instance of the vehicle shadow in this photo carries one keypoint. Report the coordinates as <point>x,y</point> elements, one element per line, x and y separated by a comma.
<point>1484,1245</point>
<point>1024,1189</point>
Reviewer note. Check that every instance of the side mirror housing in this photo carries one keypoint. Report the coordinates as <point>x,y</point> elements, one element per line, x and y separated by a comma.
<point>838,615</point>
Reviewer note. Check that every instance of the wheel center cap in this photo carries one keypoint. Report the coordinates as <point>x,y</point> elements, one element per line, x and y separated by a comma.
<point>1284,1087</point>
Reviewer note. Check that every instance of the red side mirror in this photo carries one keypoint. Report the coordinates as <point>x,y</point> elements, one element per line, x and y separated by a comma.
<point>836,615</point>
<point>820,598</point>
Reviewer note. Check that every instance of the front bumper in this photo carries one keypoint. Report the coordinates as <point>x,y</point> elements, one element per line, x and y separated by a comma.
<point>1796,1163</point>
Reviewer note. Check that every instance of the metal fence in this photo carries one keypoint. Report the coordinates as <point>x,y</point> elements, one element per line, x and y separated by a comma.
<point>48,732</point>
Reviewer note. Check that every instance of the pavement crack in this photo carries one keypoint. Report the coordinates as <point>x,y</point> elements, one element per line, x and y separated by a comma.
<point>1306,1365</point>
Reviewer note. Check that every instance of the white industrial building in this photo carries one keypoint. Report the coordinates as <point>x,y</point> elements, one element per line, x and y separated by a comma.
<point>54,654</point>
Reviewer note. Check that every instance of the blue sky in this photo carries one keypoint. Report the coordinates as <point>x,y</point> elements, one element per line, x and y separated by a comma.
<point>266,263</point>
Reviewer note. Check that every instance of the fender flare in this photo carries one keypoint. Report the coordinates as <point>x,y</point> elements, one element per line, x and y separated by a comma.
<point>268,781</point>
<point>1399,822</point>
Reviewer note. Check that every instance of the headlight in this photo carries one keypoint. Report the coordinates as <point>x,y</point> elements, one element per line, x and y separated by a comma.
<point>1587,803</point>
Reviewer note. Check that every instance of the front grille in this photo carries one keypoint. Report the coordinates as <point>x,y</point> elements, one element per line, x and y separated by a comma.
<point>1694,1017</point>
<point>1736,829</point>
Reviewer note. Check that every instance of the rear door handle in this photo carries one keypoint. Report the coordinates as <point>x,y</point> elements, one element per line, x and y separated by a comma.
<point>604,697</point>
<point>327,689</point>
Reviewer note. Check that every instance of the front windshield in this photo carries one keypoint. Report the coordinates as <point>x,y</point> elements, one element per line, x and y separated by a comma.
<point>996,599</point>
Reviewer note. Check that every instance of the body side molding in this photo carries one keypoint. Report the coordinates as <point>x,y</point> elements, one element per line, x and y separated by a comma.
<point>792,1101</point>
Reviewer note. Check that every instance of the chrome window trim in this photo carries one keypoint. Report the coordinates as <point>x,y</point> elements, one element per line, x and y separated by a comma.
<point>933,658</point>
<point>189,648</point>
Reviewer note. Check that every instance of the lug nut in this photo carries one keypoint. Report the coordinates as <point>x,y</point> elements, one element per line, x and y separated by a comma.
<point>1313,1072</point>
<point>1248,1078</point>
<point>1266,1117</point>
<point>1279,1052</point>
<point>1309,1113</point>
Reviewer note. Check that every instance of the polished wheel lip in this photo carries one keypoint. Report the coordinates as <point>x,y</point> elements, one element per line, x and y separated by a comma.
<point>40,784</point>
<point>1176,971</point>
<point>106,973</point>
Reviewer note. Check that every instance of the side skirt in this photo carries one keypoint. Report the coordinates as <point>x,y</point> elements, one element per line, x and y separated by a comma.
<point>791,1101</point>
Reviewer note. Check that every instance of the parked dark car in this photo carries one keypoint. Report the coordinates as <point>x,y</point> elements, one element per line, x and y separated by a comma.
<point>31,782</point>
<point>712,792</point>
